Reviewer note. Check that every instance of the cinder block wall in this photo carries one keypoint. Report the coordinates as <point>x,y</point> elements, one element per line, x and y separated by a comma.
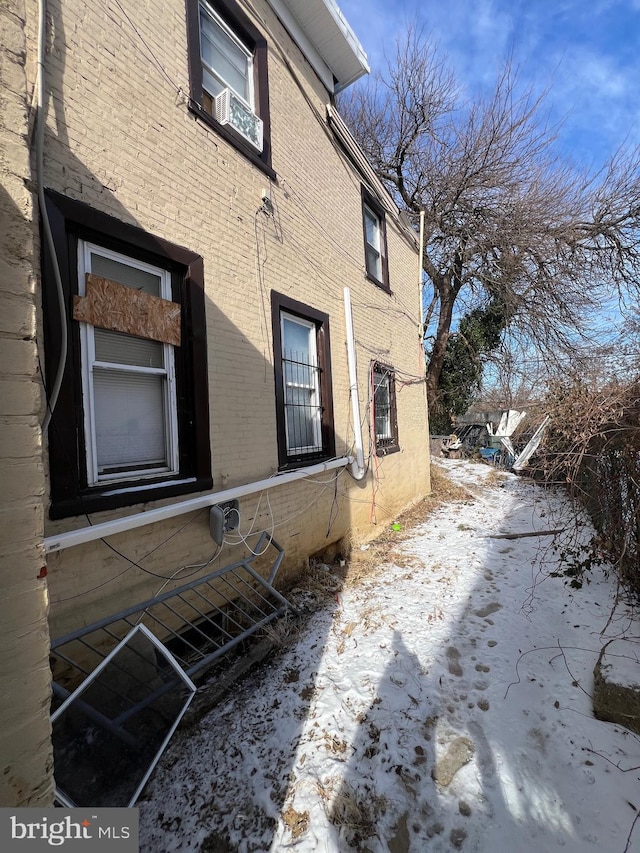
<point>121,139</point>
<point>25,747</point>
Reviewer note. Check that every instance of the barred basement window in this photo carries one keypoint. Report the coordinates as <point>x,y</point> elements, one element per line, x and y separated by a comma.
<point>383,382</point>
<point>304,408</point>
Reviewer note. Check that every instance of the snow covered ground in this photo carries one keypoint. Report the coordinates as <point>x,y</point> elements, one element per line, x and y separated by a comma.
<point>441,702</point>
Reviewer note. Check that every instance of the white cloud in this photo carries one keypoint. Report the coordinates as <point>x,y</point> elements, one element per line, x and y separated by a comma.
<point>586,57</point>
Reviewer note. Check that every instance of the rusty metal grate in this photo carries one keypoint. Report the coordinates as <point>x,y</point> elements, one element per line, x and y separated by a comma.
<point>198,622</point>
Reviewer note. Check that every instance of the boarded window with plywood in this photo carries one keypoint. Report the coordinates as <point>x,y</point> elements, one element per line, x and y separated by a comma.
<point>131,421</point>
<point>128,376</point>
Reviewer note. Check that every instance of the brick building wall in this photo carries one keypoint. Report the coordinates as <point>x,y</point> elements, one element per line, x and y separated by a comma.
<point>122,139</point>
<point>25,747</point>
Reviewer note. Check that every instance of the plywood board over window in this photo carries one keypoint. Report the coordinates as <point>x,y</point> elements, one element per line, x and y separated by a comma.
<point>113,306</point>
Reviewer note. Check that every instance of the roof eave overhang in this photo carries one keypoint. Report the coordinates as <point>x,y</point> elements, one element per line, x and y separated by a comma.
<point>324,36</point>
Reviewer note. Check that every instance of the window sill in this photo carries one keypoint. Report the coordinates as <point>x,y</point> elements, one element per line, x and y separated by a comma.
<point>232,139</point>
<point>117,496</point>
<point>380,284</point>
<point>295,464</point>
<point>385,451</point>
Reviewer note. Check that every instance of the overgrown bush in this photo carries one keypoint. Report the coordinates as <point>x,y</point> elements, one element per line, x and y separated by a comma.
<point>592,447</point>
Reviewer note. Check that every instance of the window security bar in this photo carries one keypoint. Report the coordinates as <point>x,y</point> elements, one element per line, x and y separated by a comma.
<point>198,623</point>
<point>303,409</point>
<point>121,685</point>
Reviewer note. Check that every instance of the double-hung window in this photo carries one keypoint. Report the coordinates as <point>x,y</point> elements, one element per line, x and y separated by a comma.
<point>229,76</point>
<point>226,62</point>
<point>129,384</point>
<point>384,409</point>
<point>303,382</point>
<point>301,377</point>
<point>375,241</point>
<point>131,420</point>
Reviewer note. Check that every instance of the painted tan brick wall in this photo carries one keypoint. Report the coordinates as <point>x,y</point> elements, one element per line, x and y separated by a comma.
<point>121,139</point>
<point>25,747</point>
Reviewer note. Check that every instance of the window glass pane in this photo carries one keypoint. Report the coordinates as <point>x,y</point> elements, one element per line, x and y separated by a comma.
<point>372,247</point>
<point>118,348</point>
<point>224,57</point>
<point>296,338</point>
<point>130,422</point>
<point>382,405</point>
<point>302,415</point>
<point>125,274</point>
<point>302,385</point>
<point>374,264</point>
<point>210,83</point>
<point>372,228</point>
<point>299,354</point>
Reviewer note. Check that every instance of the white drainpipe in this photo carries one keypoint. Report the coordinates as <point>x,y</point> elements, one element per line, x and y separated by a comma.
<point>130,522</point>
<point>357,468</point>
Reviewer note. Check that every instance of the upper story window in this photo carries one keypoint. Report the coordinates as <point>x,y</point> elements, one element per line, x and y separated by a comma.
<point>131,422</point>
<point>226,62</point>
<point>302,364</point>
<point>229,76</point>
<point>375,241</point>
<point>384,409</point>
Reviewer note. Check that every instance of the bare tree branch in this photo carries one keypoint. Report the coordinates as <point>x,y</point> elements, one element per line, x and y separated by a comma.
<point>504,215</point>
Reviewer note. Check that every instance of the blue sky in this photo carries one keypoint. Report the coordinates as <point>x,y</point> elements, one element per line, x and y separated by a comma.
<point>585,52</point>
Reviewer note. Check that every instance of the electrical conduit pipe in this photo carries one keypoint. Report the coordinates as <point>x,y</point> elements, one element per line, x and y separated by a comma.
<point>356,465</point>
<point>130,522</point>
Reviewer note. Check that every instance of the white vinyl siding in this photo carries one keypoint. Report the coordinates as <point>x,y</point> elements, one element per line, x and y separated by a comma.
<point>226,62</point>
<point>129,390</point>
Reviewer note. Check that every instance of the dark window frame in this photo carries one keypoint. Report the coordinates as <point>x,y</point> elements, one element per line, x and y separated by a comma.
<point>391,444</point>
<point>71,495</point>
<point>253,39</point>
<point>281,303</point>
<point>369,201</point>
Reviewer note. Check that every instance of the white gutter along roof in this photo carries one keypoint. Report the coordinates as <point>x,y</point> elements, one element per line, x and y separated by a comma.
<point>325,37</point>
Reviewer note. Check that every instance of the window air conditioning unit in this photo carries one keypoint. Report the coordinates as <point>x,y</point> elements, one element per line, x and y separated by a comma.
<point>231,111</point>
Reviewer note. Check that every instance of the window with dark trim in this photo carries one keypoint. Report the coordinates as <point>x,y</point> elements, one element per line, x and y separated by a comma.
<point>131,423</point>
<point>375,241</point>
<point>385,418</point>
<point>229,77</point>
<point>302,367</point>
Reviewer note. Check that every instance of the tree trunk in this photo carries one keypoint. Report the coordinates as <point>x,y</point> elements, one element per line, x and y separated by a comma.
<point>434,368</point>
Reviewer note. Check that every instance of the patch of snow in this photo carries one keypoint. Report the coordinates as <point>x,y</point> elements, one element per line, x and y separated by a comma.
<point>466,650</point>
<point>621,663</point>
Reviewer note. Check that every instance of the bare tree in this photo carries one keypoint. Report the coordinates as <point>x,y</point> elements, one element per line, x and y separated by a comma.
<point>505,217</point>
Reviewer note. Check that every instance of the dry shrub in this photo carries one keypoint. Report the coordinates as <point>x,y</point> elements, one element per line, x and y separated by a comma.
<point>356,812</point>
<point>494,478</point>
<point>592,448</point>
<point>283,631</point>
<point>298,822</point>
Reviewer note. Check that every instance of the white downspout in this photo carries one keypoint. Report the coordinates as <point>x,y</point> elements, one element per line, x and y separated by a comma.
<point>357,468</point>
<point>420,257</point>
<point>422,367</point>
